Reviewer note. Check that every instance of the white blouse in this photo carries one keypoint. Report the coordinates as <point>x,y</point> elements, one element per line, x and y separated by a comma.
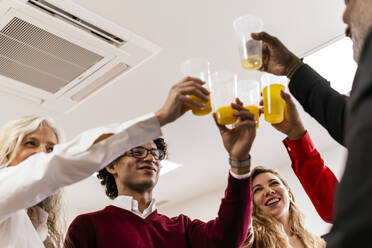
<point>42,174</point>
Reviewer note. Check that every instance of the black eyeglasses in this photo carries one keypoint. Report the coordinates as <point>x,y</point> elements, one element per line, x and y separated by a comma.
<point>142,152</point>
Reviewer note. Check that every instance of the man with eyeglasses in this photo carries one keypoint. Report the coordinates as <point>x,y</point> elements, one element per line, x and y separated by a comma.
<point>132,219</point>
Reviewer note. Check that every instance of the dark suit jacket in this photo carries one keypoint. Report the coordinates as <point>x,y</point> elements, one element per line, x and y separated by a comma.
<point>349,121</point>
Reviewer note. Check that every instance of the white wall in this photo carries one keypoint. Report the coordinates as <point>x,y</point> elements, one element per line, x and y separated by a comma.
<point>205,207</point>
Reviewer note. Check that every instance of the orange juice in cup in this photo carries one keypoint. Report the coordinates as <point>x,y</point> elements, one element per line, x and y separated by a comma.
<point>223,90</point>
<point>198,68</point>
<point>248,91</point>
<point>250,50</point>
<point>272,100</point>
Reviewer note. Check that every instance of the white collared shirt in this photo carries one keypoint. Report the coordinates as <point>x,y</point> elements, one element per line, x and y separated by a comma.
<point>42,175</point>
<point>130,204</point>
<point>240,177</point>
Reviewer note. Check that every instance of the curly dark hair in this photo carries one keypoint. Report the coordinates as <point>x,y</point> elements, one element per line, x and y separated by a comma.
<point>107,179</point>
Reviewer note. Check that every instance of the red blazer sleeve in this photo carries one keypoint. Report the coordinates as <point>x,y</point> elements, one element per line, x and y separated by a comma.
<point>230,228</point>
<point>316,178</point>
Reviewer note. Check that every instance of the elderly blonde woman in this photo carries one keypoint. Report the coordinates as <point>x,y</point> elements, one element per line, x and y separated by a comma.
<point>34,167</point>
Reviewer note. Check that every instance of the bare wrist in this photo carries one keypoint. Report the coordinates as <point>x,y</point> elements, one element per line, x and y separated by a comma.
<point>161,117</point>
<point>297,134</point>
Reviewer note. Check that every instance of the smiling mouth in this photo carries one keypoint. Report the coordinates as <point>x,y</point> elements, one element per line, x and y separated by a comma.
<point>271,202</point>
<point>147,168</point>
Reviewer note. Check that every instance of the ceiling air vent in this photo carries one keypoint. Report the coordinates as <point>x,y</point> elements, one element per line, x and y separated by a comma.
<point>84,25</point>
<point>58,54</point>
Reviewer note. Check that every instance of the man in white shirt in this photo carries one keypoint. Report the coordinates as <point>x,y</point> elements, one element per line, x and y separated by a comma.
<point>41,171</point>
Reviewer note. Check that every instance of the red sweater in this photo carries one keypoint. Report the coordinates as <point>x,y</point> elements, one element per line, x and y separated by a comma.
<point>115,227</point>
<point>317,179</point>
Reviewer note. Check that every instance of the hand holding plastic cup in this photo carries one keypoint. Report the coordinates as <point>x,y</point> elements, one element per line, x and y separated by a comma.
<point>248,91</point>
<point>223,90</point>
<point>272,100</point>
<point>198,68</point>
<point>250,50</point>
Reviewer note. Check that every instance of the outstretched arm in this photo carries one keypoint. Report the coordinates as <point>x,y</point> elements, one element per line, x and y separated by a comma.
<point>322,102</point>
<point>317,179</point>
<point>230,228</point>
<point>42,175</point>
<point>313,92</point>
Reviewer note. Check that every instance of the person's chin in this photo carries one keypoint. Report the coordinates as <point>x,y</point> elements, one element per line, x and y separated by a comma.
<point>276,212</point>
<point>358,43</point>
<point>149,178</point>
<point>356,53</point>
<point>144,185</point>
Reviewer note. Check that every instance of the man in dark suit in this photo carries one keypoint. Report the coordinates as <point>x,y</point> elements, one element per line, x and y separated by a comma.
<point>347,119</point>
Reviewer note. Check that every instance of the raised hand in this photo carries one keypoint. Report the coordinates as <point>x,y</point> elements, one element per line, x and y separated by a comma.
<point>239,139</point>
<point>178,97</point>
<point>276,58</point>
<point>291,125</point>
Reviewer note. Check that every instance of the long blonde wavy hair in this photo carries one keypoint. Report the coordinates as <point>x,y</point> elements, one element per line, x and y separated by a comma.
<point>269,232</point>
<point>11,136</point>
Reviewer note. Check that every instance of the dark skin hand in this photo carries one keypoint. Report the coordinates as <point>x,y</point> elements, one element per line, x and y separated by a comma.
<point>276,58</point>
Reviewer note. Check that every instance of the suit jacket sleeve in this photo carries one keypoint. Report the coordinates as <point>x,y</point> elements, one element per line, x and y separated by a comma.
<point>316,178</point>
<point>230,228</point>
<point>353,219</point>
<point>322,102</point>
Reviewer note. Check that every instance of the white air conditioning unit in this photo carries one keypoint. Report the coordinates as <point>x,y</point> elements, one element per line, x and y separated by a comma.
<point>56,53</point>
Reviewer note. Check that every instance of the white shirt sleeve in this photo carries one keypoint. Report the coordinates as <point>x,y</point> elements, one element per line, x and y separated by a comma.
<point>244,176</point>
<point>42,175</point>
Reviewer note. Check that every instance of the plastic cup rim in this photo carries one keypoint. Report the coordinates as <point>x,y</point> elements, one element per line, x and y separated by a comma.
<point>184,63</point>
<point>238,19</point>
<point>283,80</point>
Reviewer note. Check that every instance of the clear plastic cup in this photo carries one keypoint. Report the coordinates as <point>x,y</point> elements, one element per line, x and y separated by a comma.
<point>223,90</point>
<point>198,68</point>
<point>273,102</point>
<point>250,50</point>
<point>248,92</point>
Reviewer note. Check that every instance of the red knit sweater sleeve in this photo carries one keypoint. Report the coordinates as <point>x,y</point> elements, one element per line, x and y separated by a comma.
<point>230,228</point>
<point>81,233</point>
<point>316,178</point>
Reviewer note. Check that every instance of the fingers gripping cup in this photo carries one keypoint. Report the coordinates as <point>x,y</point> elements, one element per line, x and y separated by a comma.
<point>250,50</point>
<point>248,92</point>
<point>223,90</point>
<point>273,102</point>
<point>198,68</point>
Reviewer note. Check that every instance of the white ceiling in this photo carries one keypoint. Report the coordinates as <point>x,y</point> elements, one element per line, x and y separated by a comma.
<point>185,29</point>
